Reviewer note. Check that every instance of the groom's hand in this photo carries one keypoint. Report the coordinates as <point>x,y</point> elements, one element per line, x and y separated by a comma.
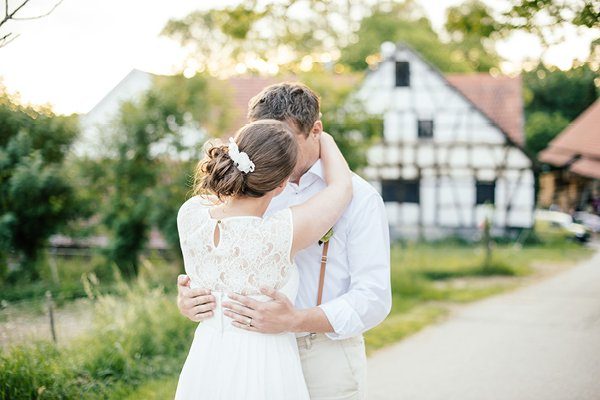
<point>196,304</point>
<point>273,316</point>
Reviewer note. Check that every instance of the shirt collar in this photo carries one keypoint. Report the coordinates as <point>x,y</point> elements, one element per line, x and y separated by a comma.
<point>314,173</point>
<point>316,169</point>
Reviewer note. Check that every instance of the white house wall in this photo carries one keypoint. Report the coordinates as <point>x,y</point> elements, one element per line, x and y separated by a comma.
<point>94,123</point>
<point>466,147</point>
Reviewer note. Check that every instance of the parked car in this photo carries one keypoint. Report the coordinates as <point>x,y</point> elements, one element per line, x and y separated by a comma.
<point>557,225</point>
<point>590,220</point>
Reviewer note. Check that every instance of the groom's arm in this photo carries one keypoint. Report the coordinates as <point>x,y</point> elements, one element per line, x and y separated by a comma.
<point>369,298</point>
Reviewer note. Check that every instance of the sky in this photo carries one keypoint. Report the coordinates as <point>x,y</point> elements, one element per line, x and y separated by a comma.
<point>73,57</point>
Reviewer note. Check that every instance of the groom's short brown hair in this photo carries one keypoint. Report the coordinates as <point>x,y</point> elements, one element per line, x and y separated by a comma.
<point>292,102</point>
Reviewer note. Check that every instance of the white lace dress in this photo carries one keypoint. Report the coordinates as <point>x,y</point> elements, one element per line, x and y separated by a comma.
<point>225,362</point>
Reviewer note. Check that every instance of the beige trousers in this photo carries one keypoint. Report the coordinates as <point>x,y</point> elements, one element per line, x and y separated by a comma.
<point>334,369</point>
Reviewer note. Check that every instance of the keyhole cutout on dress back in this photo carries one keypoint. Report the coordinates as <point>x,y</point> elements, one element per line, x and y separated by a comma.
<point>217,234</point>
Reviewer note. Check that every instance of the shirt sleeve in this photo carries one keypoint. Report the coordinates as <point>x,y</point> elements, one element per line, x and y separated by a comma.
<point>369,297</point>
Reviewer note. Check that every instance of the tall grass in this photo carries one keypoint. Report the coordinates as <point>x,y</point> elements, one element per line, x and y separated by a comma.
<point>138,334</point>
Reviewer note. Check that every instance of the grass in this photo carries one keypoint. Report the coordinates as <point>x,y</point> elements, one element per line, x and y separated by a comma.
<point>138,335</point>
<point>136,352</point>
<point>155,389</point>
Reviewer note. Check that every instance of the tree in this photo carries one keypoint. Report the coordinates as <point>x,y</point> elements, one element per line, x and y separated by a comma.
<point>553,98</point>
<point>553,90</point>
<point>145,184</point>
<point>36,197</point>
<point>541,128</point>
<point>474,32</point>
<point>545,18</point>
<point>6,38</point>
<point>406,22</point>
<point>266,36</point>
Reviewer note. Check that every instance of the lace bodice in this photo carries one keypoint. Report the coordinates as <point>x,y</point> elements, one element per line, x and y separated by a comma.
<point>251,251</point>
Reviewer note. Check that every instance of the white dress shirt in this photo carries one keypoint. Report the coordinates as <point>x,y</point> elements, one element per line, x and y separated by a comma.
<point>356,293</point>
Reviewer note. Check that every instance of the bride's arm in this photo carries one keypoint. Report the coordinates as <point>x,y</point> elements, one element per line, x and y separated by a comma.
<point>313,218</point>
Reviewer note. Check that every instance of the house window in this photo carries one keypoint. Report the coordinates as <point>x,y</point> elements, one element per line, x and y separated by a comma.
<point>486,192</point>
<point>402,74</point>
<point>401,191</point>
<point>425,129</point>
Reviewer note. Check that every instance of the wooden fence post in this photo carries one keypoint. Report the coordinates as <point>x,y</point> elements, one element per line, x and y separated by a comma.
<point>53,267</point>
<point>51,314</point>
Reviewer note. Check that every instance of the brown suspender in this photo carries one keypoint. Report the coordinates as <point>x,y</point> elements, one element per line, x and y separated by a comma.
<point>322,274</point>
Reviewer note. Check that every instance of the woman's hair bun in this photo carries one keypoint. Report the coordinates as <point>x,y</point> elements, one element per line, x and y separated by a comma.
<point>219,174</point>
<point>270,145</point>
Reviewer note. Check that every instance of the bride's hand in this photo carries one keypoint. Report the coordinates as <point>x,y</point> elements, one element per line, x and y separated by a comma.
<point>335,167</point>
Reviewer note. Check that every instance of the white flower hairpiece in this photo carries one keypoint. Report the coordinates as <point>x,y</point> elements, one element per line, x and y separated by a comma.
<point>240,159</point>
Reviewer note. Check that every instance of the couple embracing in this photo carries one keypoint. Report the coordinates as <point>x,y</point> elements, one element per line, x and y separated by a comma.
<point>287,258</point>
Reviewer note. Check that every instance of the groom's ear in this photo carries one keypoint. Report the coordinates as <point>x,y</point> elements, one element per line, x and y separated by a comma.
<point>317,128</point>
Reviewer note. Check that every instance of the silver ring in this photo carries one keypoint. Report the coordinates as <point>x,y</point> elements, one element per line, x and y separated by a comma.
<point>249,321</point>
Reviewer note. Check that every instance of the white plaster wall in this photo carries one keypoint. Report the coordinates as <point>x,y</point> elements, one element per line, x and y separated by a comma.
<point>93,123</point>
<point>463,137</point>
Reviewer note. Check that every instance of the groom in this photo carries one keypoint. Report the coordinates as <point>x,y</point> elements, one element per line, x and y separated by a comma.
<point>344,283</point>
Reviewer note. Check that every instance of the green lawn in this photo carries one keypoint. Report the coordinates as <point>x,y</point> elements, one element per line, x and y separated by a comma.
<point>136,352</point>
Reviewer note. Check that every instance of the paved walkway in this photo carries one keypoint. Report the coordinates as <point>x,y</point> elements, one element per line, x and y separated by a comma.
<point>541,342</point>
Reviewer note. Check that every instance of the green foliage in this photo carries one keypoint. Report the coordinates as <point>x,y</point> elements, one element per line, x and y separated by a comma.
<point>405,22</point>
<point>37,198</point>
<point>541,128</point>
<point>471,19</point>
<point>545,19</point>
<point>225,38</point>
<point>553,90</point>
<point>553,98</point>
<point>31,372</point>
<point>474,32</point>
<point>527,14</point>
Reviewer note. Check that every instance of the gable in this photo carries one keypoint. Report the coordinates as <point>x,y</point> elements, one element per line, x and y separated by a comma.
<point>497,101</point>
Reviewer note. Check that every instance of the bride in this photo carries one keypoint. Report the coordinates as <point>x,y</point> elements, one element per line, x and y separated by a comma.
<point>229,246</point>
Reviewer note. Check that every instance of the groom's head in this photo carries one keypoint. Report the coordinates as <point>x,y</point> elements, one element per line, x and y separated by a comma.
<point>298,106</point>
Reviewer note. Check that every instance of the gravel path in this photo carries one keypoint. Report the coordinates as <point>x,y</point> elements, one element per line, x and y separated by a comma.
<point>539,342</point>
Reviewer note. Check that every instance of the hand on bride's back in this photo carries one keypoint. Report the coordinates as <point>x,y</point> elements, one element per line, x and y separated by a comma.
<point>195,304</point>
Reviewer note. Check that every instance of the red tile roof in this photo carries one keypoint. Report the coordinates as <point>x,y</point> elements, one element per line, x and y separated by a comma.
<point>244,88</point>
<point>582,136</point>
<point>587,167</point>
<point>499,98</point>
<point>579,142</point>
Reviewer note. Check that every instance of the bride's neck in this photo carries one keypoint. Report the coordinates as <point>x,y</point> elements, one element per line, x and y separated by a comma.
<point>246,205</point>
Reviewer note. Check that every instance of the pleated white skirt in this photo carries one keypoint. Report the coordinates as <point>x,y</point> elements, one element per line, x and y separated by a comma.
<point>228,363</point>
